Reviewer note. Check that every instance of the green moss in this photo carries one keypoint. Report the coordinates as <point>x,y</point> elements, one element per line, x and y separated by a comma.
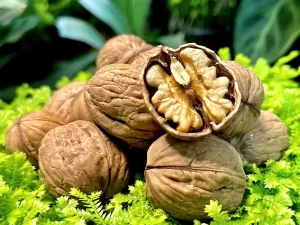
<point>272,195</point>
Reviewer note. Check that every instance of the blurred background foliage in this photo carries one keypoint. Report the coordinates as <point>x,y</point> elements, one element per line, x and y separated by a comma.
<point>43,40</point>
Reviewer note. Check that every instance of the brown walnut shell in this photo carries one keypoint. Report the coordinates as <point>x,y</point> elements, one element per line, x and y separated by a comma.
<point>80,155</point>
<point>60,104</point>
<point>183,176</point>
<point>268,139</point>
<point>191,93</point>
<point>78,109</point>
<point>252,97</point>
<point>114,98</point>
<point>121,49</point>
<point>27,132</point>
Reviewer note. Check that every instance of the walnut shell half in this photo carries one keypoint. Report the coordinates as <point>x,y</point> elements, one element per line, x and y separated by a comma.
<point>27,132</point>
<point>114,98</point>
<point>80,155</point>
<point>192,93</point>
<point>183,176</point>
<point>121,49</point>
<point>268,139</point>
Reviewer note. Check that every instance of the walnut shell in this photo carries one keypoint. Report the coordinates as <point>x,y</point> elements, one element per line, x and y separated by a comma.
<point>121,49</point>
<point>62,100</point>
<point>80,155</point>
<point>252,97</point>
<point>78,110</point>
<point>27,132</point>
<point>268,139</point>
<point>183,176</point>
<point>191,93</point>
<point>114,98</point>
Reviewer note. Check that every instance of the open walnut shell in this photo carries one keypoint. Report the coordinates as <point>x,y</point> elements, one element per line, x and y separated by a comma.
<point>121,49</point>
<point>80,155</point>
<point>191,93</point>
<point>183,176</point>
<point>27,132</point>
<point>114,98</point>
<point>268,139</point>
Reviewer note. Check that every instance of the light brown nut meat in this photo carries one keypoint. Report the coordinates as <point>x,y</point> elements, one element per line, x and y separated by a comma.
<point>114,98</point>
<point>268,139</point>
<point>121,49</point>
<point>183,176</point>
<point>80,155</point>
<point>27,132</point>
<point>192,93</point>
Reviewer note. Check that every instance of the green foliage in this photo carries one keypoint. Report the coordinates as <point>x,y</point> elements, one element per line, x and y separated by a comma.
<point>266,28</point>
<point>201,13</point>
<point>273,190</point>
<point>47,10</point>
<point>80,30</point>
<point>136,12</point>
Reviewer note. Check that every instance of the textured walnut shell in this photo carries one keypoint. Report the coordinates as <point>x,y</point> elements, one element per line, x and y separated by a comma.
<point>78,108</point>
<point>183,176</point>
<point>27,132</point>
<point>114,98</point>
<point>80,155</point>
<point>252,97</point>
<point>143,58</point>
<point>61,102</point>
<point>121,49</point>
<point>245,92</point>
<point>268,139</point>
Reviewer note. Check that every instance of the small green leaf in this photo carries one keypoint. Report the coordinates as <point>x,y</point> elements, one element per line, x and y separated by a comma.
<point>79,30</point>
<point>10,9</point>
<point>17,28</point>
<point>266,28</point>
<point>109,13</point>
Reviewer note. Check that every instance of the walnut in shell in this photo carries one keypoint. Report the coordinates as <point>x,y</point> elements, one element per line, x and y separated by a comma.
<point>192,93</point>
<point>268,139</point>
<point>68,103</point>
<point>121,49</point>
<point>114,98</point>
<point>27,132</point>
<point>183,176</point>
<point>80,155</point>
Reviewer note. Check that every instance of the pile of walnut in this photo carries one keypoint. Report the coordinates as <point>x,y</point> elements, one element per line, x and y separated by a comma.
<point>195,115</point>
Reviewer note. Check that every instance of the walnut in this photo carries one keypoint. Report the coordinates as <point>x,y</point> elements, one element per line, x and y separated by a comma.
<point>183,176</point>
<point>114,98</point>
<point>80,155</point>
<point>68,103</point>
<point>121,49</point>
<point>268,139</point>
<point>26,133</point>
<point>192,93</point>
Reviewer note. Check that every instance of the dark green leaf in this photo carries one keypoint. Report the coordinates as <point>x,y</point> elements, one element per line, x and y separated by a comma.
<point>266,28</point>
<point>68,68</point>
<point>10,9</point>
<point>137,12</point>
<point>17,28</point>
<point>79,30</point>
<point>173,40</point>
<point>109,13</point>
<point>6,58</point>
